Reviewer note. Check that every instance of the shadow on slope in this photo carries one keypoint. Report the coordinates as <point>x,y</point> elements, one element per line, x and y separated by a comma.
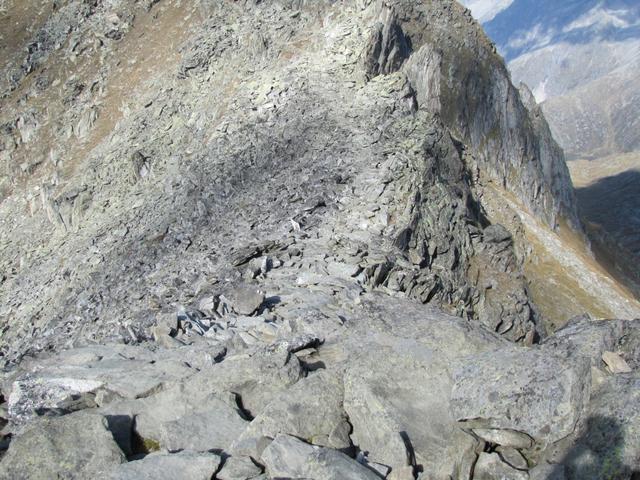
<point>610,208</point>
<point>597,454</point>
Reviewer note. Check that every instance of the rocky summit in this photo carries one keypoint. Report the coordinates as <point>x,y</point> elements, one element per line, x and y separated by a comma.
<point>294,239</point>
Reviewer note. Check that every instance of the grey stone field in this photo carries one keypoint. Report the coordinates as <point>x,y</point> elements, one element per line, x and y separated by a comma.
<point>294,239</point>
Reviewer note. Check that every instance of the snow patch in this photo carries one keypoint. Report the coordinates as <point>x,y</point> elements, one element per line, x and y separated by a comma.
<point>486,10</point>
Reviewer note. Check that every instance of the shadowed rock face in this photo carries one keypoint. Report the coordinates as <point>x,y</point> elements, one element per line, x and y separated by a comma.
<point>619,193</point>
<point>224,258</point>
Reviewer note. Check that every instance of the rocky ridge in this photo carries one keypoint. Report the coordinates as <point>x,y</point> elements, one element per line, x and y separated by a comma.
<point>229,278</point>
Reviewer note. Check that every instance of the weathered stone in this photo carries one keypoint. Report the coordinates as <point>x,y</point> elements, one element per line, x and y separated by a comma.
<point>615,363</point>
<point>513,458</point>
<point>238,468</point>
<point>310,409</point>
<point>245,299</point>
<point>607,444</point>
<point>176,420</point>
<point>76,446</point>
<point>94,370</point>
<point>490,467</point>
<point>586,337</point>
<point>524,390</point>
<point>255,377</point>
<point>288,457</point>
<point>178,466</point>
<point>402,373</point>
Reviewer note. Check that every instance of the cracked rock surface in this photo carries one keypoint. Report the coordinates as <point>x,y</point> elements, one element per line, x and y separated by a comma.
<point>254,246</point>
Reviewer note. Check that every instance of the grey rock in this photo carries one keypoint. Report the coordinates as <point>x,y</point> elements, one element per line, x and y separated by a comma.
<point>255,377</point>
<point>606,445</point>
<point>525,390</point>
<point>121,371</point>
<point>547,472</point>
<point>513,458</point>
<point>403,374</point>
<point>178,466</point>
<point>246,299</point>
<point>288,457</point>
<point>310,409</point>
<point>615,363</point>
<point>238,468</point>
<point>490,467</point>
<point>586,337</point>
<point>387,47</point>
<point>76,446</point>
<point>177,420</point>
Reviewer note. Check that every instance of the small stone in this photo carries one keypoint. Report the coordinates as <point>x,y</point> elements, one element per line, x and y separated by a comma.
<point>245,300</point>
<point>243,255</point>
<point>615,363</point>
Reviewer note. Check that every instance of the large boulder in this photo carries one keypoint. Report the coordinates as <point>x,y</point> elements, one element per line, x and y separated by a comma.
<point>526,390</point>
<point>311,409</point>
<point>208,410</point>
<point>255,377</point>
<point>175,419</point>
<point>76,446</point>
<point>585,337</point>
<point>398,382</point>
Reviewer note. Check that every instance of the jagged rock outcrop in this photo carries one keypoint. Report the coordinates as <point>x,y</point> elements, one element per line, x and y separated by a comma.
<point>261,217</point>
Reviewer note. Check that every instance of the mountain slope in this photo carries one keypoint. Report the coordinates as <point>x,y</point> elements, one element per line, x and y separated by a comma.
<point>582,62</point>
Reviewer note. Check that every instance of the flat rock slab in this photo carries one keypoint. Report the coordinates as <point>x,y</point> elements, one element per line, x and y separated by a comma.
<point>126,372</point>
<point>76,446</point>
<point>524,390</point>
<point>386,391</point>
<point>179,466</point>
<point>176,420</point>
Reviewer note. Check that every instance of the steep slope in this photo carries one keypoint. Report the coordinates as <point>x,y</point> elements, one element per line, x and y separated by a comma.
<point>581,60</point>
<point>134,163</point>
<point>222,222</point>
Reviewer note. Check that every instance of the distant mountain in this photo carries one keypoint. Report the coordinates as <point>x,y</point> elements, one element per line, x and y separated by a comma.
<point>581,59</point>
<point>522,26</point>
